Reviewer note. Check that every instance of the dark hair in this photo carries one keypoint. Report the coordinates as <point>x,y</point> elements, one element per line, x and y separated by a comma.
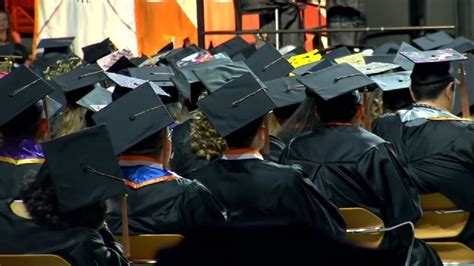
<point>340,109</point>
<point>39,196</point>
<point>25,124</point>
<point>303,120</point>
<point>9,31</point>
<point>243,137</point>
<point>152,145</point>
<point>428,92</point>
<point>397,99</point>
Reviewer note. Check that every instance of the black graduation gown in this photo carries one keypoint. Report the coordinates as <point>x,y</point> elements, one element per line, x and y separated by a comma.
<point>256,190</point>
<point>173,207</point>
<point>80,246</point>
<point>184,160</point>
<point>439,155</point>
<point>276,148</point>
<point>12,176</point>
<point>353,168</point>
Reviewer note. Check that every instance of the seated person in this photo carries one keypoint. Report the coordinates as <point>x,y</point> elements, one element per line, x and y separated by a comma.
<point>7,35</point>
<point>160,201</point>
<point>22,127</point>
<point>63,207</point>
<point>350,166</point>
<point>434,145</point>
<point>250,188</point>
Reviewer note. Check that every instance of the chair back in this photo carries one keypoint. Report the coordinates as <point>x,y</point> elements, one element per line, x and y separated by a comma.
<point>362,227</point>
<point>453,252</point>
<point>31,260</point>
<point>441,218</point>
<point>144,248</point>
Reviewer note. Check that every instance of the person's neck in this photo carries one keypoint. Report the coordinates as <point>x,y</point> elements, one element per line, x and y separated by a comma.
<point>436,104</point>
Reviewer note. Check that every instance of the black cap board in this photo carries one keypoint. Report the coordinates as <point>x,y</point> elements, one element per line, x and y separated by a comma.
<point>214,77</point>
<point>160,74</point>
<point>338,52</point>
<point>379,58</point>
<point>335,81</point>
<point>433,40</point>
<point>96,100</point>
<point>134,117</point>
<point>461,44</point>
<point>59,45</point>
<point>267,63</point>
<point>286,91</point>
<point>95,51</point>
<point>231,47</point>
<point>236,104</point>
<point>387,48</point>
<point>21,89</point>
<point>90,174</point>
<point>393,81</point>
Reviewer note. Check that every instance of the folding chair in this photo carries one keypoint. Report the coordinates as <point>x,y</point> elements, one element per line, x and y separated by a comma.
<point>144,248</point>
<point>365,229</point>
<point>442,219</point>
<point>33,260</point>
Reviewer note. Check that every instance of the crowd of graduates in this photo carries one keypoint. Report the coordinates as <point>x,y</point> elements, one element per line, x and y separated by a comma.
<point>242,145</point>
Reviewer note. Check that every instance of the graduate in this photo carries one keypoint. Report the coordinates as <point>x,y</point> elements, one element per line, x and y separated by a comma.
<point>22,127</point>
<point>435,146</point>
<point>350,166</point>
<point>63,207</point>
<point>159,201</point>
<point>250,188</point>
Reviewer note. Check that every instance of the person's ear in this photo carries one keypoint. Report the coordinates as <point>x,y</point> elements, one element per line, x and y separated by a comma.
<point>412,95</point>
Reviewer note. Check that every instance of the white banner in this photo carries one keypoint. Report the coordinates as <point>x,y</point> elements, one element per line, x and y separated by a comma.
<point>90,21</point>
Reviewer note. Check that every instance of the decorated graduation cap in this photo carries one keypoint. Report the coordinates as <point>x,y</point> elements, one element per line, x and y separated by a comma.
<point>21,89</point>
<point>376,68</point>
<point>96,100</point>
<point>125,84</point>
<point>214,77</point>
<point>287,93</point>
<point>312,67</point>
<point>433,40</point>
<point>432,67</point>
<point>134,117</point>
<point>305,58</point>
<point>171,57</point>
<point>461,44</point>
<point>95,51</point>
<point>401,60</point>
<point>387,48</point>
<point>335,81</point>
<point>78,82</point>
<point>236,104</point>
<point>58,45</point>
<point>90,174</point>
<point>267,63</point>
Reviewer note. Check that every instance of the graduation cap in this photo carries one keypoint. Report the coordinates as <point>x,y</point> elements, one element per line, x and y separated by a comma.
<point>125,84</point>
<point>166,48</point>
<point>96,100</point>
<point>79,81</point>
<point>21,89</point>
<point>402,60</point>
<point>305,59</point>
<point>171,57</point>
<point>188,71</point>
<point>90,174</point>
<point>137,61</point>
<point>376,68</point>
<point>460,44</point>
<point>134,117</point>
<point>58,45</point>
<point>160,74</point>
<point>53,106</point>
<point>214,77</point>
<point>335,81</point>
<point>267,63</point>
<point>244,53</point>
<point>95,51</point>
<point>387,48</point>
<point>16,52</point>
<point>287,93</point>
<point>388,58</point>
<point>433,67</point>
<point>332,54</point>
<point>433,40</point>
<point>236,104</point>
<point>393,81</point>
<point>231,47</point>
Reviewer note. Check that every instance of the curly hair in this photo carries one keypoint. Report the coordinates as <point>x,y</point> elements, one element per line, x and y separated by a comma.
<point>39,196</point>
<point>73,119</point>
<point>206,143</point>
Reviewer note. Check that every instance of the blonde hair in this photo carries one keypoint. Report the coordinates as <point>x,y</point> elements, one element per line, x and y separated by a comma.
<point>206,143</point>
<point>73,119</point>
